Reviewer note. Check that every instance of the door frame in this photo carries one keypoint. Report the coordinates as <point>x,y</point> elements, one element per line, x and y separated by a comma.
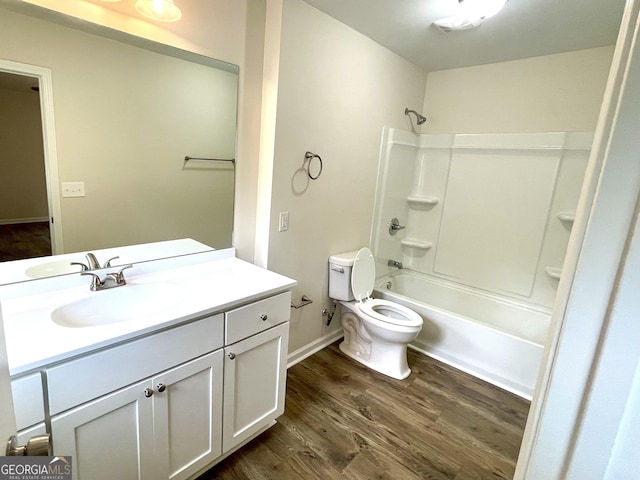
<point>592,356</point>
<point>49,144</point>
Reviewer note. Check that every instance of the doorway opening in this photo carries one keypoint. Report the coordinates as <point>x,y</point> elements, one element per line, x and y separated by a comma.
<point>29,202</point>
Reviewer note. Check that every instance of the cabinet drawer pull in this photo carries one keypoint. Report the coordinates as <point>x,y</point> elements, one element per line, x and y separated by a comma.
<point>232,356</point>
<point>161,387</point>
<point>148,392</point>
<point>263,317</point>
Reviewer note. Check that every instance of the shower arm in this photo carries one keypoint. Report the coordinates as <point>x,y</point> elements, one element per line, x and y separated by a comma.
<point>420,119</point>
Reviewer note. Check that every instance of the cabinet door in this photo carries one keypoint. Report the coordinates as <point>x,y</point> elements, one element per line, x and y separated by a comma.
<point>110,437</point>
<point>255,371</point>
<point>187,404</point>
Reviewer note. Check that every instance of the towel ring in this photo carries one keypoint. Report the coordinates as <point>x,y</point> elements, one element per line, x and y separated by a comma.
<point>310,156</point>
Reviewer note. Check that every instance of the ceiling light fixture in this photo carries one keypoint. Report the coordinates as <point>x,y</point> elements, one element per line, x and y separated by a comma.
<point>159,10</point>
<point>472,14</point>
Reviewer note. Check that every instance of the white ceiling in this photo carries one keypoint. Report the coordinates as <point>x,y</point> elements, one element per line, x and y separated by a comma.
<point>524,28</point>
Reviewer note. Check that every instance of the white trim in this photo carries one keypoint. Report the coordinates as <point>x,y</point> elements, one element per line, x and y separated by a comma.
<point>558,443</point>
<point>49,144</point>
<point>15,221</point>
<point>313,347</point>
<point>270,72</point>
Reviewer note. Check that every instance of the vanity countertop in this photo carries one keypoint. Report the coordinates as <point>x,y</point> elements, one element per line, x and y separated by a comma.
<point>218,281</point>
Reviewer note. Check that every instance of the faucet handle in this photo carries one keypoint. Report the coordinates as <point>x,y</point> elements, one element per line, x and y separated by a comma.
<point>119,275</point>
<point>83,267</point>
<point>96,281</point>
<point>394,226</point>
<point>108,263</point>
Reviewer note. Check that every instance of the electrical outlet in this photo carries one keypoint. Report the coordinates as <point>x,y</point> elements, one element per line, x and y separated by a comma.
<point>73,189</point>
<point>284,222</point>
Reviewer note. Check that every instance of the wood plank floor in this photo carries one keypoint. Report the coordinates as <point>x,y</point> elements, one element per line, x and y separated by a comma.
<point>343,420</point>
<point>24,240</point>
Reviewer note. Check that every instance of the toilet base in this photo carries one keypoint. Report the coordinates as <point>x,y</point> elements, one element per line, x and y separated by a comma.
<point>387,358</point>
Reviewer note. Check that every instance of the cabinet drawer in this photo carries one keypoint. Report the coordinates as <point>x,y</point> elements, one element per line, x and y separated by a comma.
<point>256,317</point>
<point>28,400</point>
<point>78,381</point>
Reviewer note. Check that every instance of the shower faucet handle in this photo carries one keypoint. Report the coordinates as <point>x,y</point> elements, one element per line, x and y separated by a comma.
<point>394,226</point>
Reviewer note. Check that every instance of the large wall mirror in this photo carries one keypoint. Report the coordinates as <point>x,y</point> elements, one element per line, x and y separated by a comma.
<point>127,113</point>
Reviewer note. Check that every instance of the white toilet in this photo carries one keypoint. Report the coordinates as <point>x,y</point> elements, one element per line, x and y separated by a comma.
<point>376,332</point>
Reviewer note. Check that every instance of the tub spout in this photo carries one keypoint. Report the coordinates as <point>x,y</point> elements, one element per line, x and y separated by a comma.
<point>393,263</point>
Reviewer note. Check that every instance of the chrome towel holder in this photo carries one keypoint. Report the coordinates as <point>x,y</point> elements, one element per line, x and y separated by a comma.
<point>309,156</point>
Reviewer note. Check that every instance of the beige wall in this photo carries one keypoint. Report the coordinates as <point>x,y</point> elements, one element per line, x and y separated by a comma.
<point>125,120</point>
<point>232,31</point>
<point>336,91</point>
<point>561,92</point>
<point>23,194</point>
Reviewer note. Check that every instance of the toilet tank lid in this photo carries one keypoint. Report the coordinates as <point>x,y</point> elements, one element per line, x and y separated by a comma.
<point>344,259</point>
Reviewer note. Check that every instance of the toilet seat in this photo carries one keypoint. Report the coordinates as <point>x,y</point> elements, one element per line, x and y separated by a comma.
<point>400,315</point>
<point>362,282</point>
<point>363,274</point>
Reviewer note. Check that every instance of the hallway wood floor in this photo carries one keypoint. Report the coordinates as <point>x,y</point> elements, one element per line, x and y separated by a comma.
<point>24,240</point>
<point>343,420</point>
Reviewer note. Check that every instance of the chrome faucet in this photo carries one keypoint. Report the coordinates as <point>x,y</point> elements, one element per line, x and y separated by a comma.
<point>92,262</point>
<point>110,280</point>
<point>394,263</point>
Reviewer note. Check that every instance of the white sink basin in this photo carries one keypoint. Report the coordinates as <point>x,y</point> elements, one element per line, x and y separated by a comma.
<point>56,267</point>
<point>119,304</point>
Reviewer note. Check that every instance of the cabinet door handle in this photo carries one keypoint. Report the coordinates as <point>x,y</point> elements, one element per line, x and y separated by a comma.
<point>148,392</point>
<point>161,387</point>
<point>231,356</point>
<point>263,317</point>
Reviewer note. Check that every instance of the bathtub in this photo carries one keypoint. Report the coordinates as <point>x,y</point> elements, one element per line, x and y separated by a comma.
<point>497,340</point>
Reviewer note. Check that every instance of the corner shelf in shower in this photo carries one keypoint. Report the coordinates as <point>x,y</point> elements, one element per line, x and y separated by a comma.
<point>415,243</point>
<point>568,217</point>
<point>553,272</point>
<point>419,200</point>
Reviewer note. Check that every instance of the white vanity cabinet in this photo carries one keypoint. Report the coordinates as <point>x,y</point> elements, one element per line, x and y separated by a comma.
<point>254,380</point>
<point>168,426</point>
<point>255,367</point>
<point>173,403</point>
<point>28,404</point>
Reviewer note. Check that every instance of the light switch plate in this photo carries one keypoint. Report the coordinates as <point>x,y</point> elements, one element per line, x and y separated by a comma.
<point>73,189</point>
<point>283,224</point>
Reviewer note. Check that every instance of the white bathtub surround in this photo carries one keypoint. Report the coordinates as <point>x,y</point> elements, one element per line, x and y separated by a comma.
<point>492,211</point>
<point>489,214</point>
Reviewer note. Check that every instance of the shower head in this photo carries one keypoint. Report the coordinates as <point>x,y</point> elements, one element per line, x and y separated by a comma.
<point>419,118</point>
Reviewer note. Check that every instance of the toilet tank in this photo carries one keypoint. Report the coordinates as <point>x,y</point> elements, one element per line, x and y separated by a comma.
<point>340,266</point>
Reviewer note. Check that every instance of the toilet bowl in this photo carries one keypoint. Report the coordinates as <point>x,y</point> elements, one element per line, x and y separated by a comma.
<point>376,332</point>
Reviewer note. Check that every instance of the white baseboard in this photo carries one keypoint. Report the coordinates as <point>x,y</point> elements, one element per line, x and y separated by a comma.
<point>313,347</point>
<point>11,221</point>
